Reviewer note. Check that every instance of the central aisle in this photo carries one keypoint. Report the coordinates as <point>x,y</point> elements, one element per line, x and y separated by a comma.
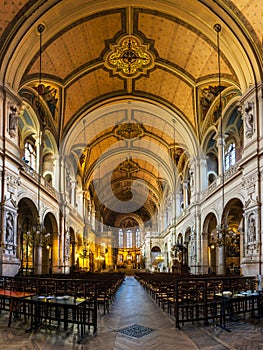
<point>136,322</point>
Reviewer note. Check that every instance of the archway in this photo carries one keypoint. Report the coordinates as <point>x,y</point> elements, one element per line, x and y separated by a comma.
<point>49,244</point>
<point>210,248</point>
<point>26,223</point>
<point>36,243</point>
<point>155,253</point>
<point>233,215</point>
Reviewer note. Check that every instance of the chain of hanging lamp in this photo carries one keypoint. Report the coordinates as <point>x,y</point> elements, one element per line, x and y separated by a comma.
<point>222,230</point>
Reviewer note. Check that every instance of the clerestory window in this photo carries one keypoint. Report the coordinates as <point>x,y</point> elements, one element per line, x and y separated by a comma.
<point>230,156</point>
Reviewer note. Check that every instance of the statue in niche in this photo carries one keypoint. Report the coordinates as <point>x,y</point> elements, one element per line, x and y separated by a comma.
<point>251,230</point>
<point>67,246</point>
<point>13,118</point>
<point>9,228</point>
<point>249,119</point>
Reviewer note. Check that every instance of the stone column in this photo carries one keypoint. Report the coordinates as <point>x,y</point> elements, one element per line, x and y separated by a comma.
<point>185,194</point>
<point>56,178</point>
<point>221,252</point>
<point>221,153</point>
<point>203,181</point>
<point>38,258</point>
<point>10,255</point>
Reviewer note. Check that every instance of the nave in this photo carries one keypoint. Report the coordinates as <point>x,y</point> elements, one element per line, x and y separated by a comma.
<point>134,321</point>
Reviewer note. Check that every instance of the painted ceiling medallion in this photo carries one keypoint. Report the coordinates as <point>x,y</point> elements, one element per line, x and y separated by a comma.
<point>129,57</point>
<point>129,131</point>
<point>129,167</point>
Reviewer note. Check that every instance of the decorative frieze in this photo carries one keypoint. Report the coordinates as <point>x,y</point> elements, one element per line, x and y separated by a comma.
<point>249,183</point>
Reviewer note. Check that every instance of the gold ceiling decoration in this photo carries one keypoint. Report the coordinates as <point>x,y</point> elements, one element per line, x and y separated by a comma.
<point>128,131</point>
<point>129,57</point>
<point>129,167</point>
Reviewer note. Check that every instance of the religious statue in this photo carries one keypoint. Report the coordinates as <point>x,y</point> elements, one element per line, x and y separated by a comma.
<point>251,230</point>
<point>9,228</point>
<point>67,246</point>
<point>249,119</point>
<point>13,117</point>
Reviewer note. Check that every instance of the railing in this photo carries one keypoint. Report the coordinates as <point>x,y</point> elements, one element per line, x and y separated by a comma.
<point>44,184</point>
<point>229,173</point>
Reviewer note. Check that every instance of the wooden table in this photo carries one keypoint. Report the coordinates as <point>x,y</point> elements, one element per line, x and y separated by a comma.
<point>236,305</point>
<point>64,310</point>
<point>14,297</point>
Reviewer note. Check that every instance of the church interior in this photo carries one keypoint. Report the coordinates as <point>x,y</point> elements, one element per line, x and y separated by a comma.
<point>128,132</point>
<point>131,137</point>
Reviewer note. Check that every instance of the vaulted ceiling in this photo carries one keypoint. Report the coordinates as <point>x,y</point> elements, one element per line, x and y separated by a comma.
<point>129,86</point>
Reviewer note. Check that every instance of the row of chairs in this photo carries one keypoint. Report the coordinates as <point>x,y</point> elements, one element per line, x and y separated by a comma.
<point>192,298</point>
<point>99,291</point>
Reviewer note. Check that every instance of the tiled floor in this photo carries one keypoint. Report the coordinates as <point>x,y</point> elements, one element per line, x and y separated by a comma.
<point>134,322</point>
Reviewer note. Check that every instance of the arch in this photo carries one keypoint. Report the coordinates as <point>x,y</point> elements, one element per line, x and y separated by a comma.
<point>180,238</point>
<point>147,150</point>
<point>28,124</point>
<point>210,243</point>
<point>234,235</point>
<point>50,244</point>
<point>156,249</point>
<point>27,223</point>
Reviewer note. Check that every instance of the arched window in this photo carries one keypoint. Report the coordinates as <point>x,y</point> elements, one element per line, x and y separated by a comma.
<point>30,157</point>
<point>138,238</point>
<point>129,238</point>
<point>120,238</point>
<point>211,178</point>
<point>230,156</point>
<point>181,189</point>
<point>48,178</point>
